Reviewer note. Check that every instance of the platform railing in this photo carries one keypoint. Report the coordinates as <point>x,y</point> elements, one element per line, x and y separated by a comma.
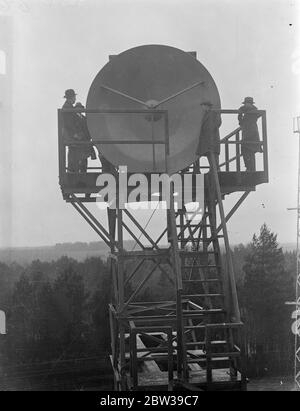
<point>64,143</point>
<point>234,139</point>
<point>231,159</point>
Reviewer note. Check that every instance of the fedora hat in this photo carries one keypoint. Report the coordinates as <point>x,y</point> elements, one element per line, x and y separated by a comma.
<point>70,93</point>
<point>248,100</point>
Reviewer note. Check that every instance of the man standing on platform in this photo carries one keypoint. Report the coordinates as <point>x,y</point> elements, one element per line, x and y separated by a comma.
<point>209,139</point>
<point>70,124</point>
<point>247,118</point>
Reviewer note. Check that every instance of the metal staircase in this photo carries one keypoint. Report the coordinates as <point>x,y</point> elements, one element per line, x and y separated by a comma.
<point>209,332</point>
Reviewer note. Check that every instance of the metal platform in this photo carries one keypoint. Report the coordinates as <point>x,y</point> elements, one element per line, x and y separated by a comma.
<point>232,175</point>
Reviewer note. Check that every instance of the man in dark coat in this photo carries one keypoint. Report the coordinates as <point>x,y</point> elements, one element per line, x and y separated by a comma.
<point>84,135</point>
<point>209,139</point>
<point>247,118</point>
<point>70,125</point>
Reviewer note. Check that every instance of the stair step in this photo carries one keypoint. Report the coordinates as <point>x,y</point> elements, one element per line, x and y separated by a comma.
<point>197,317</point>
<point>201,266</point>
<point>210,239</point>
<point>190,225</point>
<point>202,295</point>
<point>215,357</point>
<point>192,343</point>
<point>194,225</point>
<point>217,326</point>
<point>194,313</point>
<point>211,280</point>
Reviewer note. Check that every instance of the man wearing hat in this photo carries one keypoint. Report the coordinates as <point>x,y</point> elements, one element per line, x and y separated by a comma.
<point>209,139</point>
<point>70,123</point>
<point>247,118</point>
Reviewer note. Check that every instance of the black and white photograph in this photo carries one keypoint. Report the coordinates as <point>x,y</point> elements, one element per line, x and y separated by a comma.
<point>149,198</point>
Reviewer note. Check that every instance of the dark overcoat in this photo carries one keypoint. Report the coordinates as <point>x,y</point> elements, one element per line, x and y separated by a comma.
<point>209,139</point>
<point>69,120</point>
<point>247,118</point>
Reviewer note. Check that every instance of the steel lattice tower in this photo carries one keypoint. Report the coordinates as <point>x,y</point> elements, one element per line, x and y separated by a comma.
<point>192,337</point>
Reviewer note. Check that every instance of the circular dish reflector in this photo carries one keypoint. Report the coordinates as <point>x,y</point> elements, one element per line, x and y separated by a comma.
<point>145,78</point>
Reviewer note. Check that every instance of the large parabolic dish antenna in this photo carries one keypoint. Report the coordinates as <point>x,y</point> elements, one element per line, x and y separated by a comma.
<point>157,77</point>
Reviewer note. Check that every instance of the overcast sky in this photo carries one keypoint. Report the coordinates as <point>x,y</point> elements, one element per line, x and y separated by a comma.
<point>250,48</point>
